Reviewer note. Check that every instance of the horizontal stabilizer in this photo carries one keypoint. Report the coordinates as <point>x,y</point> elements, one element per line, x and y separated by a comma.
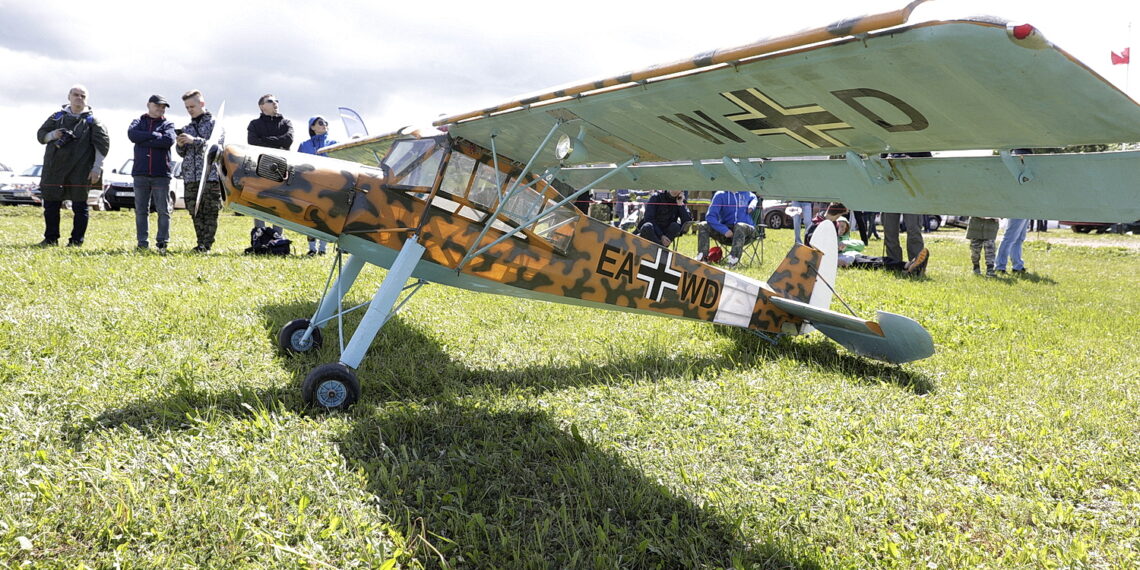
<point>894,338</point>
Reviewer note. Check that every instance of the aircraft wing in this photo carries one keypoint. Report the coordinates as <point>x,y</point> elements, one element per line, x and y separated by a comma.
<point>1078,186</point>
<point>930,86</point>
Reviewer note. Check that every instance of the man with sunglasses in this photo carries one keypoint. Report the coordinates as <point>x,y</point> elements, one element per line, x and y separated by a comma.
<point>318,139</point>
<point>271,130</point>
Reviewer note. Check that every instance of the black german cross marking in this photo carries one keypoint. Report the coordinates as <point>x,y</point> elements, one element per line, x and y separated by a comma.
<point>763,116</point>
<point>659,274</point>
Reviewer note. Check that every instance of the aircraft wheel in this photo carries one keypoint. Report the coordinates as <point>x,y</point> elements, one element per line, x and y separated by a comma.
<point>331,386</point>
<point>291,335</point>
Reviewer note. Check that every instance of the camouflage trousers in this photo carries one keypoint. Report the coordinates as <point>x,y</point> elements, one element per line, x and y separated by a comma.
<point>742,233</point>
<point>205,215</point>
<point>976,246</point>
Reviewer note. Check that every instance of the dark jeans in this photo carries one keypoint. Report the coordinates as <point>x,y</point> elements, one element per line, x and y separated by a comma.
<point>868,262</point>
<point>651,232</point>
<point>866,223</point>
<point>78,226</point>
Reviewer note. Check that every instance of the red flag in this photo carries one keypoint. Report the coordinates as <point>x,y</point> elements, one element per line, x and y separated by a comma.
<point>1121,58</point>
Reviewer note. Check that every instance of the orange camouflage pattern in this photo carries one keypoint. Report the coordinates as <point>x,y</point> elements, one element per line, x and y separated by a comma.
<point>591,261</point>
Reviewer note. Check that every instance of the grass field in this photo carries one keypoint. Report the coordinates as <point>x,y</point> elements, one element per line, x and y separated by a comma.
<point>147,420</point>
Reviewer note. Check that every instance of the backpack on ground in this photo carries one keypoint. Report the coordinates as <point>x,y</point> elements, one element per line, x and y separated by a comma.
<point>267,241</point>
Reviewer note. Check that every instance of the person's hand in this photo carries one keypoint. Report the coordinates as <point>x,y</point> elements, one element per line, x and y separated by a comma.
<point>666,241</point>
<point>728,234</point>
<point>184,139</point>
<point>94,176</point>
<point>842,246</point>
<point>56,134</point>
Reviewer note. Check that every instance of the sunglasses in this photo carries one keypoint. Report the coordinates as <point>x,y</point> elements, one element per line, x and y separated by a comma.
<point>271,101</point>
<point>321,123</point>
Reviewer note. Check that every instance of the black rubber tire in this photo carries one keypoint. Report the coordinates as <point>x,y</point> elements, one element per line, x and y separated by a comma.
<point>775,220</point>
<point>331,387</point>
<point>288,340</point>
<point>932,224</point>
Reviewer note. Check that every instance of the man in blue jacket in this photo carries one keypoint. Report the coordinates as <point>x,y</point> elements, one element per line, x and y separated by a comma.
<point>153,136</point>
<point>729,222</point>
<point>665,217</point>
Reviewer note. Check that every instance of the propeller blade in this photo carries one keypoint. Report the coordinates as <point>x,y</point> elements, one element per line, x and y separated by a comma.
<point>211,153</point>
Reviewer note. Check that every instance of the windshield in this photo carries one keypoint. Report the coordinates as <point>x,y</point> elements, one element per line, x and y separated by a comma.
<point>32,170</point>
<point>414,162</point>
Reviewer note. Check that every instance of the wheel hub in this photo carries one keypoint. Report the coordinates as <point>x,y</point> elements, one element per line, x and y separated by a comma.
<point>331,393</point>
<point>299,342</point>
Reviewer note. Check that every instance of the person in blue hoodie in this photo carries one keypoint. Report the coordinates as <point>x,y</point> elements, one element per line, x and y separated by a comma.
<point>318,139</point>
<point>728,221</point>
<point>153,136</point>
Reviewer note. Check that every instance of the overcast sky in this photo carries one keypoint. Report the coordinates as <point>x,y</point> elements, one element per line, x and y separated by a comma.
<point>400,63</point>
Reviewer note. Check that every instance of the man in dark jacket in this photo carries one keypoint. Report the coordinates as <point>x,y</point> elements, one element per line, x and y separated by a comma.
<point>271,130</point>
<point>665,217</point>
<point>76,143</point>
<point>153,136</point>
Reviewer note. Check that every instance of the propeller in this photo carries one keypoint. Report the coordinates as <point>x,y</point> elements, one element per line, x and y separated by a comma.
<point>212,150</point>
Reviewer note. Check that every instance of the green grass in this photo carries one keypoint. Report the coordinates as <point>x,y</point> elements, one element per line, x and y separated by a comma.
<point>146,420</point>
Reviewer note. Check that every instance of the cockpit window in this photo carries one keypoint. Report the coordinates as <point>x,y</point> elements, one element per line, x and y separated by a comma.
<point>485,188</point>
<point>414,163</point>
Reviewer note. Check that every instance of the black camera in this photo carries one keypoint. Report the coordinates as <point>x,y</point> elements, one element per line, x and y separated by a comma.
<point>177,131</point>
<point>66,136</point>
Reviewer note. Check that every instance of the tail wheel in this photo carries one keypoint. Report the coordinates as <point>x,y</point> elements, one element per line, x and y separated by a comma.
<point>331,387</point>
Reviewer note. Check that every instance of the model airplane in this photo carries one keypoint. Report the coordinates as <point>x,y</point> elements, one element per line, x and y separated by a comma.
<point>464,206</point>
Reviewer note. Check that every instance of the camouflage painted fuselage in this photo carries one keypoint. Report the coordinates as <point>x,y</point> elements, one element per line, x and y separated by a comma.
<point>436,190</point>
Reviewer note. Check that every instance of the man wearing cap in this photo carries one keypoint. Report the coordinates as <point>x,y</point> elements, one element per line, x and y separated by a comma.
<point>318,139</point>
<point>153,136</point>
<point>76,144</point>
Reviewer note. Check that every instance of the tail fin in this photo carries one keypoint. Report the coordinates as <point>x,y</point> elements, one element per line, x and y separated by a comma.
<point>795,276</point>
<point>799,275</point>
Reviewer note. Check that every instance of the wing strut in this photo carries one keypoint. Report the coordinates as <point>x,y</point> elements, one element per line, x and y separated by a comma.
<point>510,193</point>
<point>476,252</point>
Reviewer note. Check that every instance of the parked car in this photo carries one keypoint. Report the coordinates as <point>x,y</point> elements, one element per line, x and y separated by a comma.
<point>119,187</point>
<point>5,171</point>
<point>1088,227</point>
<point>956,221</point>
<point>23,188</point>
<point>930,222</point>
<point>776,216</point>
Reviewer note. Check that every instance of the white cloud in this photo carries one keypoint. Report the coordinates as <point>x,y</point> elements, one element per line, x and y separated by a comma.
<point>405,62</point>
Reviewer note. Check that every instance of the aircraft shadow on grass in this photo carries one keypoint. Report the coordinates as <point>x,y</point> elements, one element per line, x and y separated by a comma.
<point>486,479</point>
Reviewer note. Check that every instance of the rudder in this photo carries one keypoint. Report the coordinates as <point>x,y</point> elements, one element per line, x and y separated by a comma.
<point>795,276</point>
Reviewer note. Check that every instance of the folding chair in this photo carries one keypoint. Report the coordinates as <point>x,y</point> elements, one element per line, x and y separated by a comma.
<point>753,253</point>
<point>684,230</point>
